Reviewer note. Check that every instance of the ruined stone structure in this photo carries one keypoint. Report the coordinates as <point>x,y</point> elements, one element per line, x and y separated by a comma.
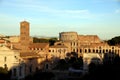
<point>87,45</point>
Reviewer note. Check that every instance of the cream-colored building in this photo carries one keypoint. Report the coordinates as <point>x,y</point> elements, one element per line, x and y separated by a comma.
<point>88,58</point>
<point>10,59</point>
<point>14,39</point>
<point>58,51</point>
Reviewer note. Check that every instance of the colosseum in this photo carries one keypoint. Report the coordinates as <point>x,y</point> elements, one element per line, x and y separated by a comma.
<point>86,43</point>
<point>87,46</point>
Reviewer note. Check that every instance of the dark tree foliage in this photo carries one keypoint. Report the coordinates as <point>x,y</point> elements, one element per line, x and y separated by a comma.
<point>109,70</point>
<point>62,65</point>
<point>4,74</point>
<point>40,40</point>
<point>41,76</point>
<point>114,41</point>
<point>51,41</point>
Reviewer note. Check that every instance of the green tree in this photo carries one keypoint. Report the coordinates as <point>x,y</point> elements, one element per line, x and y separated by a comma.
<point>114,41</point>
<point>4,74</point>
<point>52,41</point>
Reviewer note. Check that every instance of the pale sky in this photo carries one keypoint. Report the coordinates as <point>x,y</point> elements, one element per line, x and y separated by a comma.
<point>49,17</point>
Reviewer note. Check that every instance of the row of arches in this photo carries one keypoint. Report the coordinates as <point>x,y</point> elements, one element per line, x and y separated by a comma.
<point>99,51</point>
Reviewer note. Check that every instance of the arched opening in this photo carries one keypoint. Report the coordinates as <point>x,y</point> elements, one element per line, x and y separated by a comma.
<point>109,50</point>
<point>106,51</point>
<point>103,51</point>
<point>96,51</point>
<point>80,50</point>
<point>93,51</point>
<point>85,50</point>
<point>89,51</point>
<point>46,66</point>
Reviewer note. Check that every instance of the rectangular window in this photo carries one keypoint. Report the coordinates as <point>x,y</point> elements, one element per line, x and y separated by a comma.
<point>49,50</point>
<point>14,72</point>
<point>20,71</point>
<point>5,58</point>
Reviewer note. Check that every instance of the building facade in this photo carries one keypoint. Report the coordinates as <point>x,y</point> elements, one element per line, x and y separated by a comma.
<point>10,59</point>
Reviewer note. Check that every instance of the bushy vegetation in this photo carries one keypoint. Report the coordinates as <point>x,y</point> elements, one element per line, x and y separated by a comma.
<point>41,76</point>
<point>109,70</point>
<point>4,74</point>
<point>71,61</point>
<point>114,41</point>
<point>51,41</point>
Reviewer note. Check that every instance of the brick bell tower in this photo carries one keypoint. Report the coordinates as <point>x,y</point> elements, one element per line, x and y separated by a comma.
<point>24,35</point>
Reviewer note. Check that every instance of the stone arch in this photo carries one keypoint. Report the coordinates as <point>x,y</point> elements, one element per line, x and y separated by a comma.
<point>89,50</point>
<point>93,50</point>
<point>85,50</point>
<point>106,50</point>
<point>109,50</point>
<point>96,50</point>
<point>80,50</point>
<point>103,51</point>
<point>100,51</point>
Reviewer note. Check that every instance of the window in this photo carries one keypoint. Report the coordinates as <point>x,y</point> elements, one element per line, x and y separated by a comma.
<point>30,68</point>
<point>112,47</point>
<point>52,50</point>
<point>74,43</point>
<point>5,66</point>
<point>93,51</point>
<point>96,51</point>
<point>71,43</point>
<point>80,50</point>
<point>85,50</point>
<point>14,72</point>
<point>103,51</point>
<point>46,67</point>
<point>89,51</point>
<point>49,50</point>
<point>77,50</point>
<point>73,50</point>
<point>106,50</point>
<point>109,51</point>
<point>5,58</point>
<point>20,71</point>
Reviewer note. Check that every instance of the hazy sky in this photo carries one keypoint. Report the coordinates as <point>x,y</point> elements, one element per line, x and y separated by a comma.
<point>49,17</point>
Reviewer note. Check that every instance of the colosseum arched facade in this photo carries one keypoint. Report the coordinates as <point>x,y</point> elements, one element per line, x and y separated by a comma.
<point>86,43</point>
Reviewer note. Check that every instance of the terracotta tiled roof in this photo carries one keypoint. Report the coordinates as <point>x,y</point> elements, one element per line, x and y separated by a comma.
<point>38,45</point>
<point>28,54</point>
<point>2,41</point>
<point>16,46</point>
<point>58,46</point>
